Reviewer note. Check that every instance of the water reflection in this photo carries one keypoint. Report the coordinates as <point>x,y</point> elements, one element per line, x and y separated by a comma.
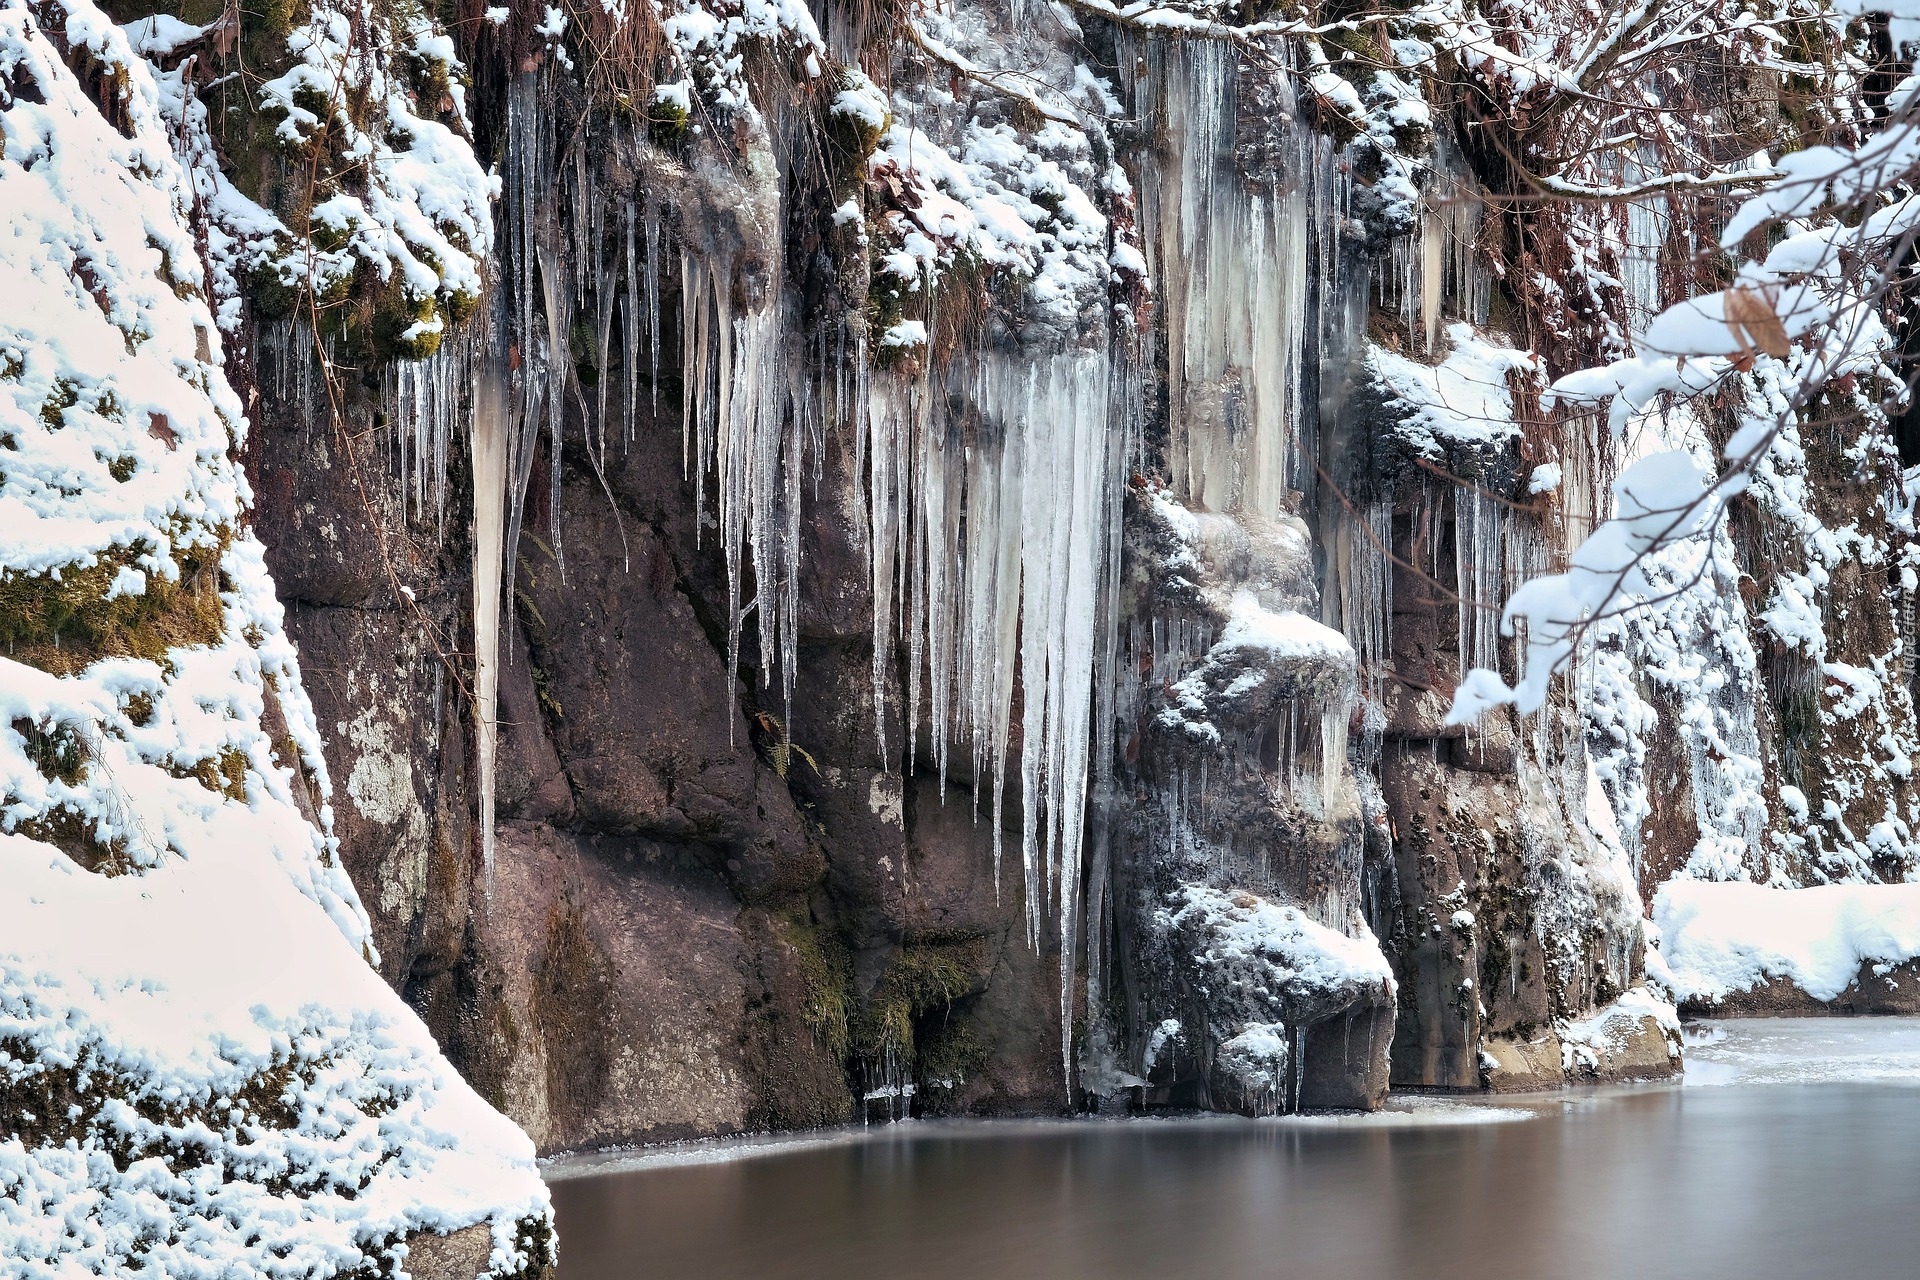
<point>1746,1179</point>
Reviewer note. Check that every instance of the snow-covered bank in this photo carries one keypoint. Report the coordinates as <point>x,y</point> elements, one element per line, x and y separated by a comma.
<point>1722,939</point>
<point>200,1072</point>
<point>212,1081</point>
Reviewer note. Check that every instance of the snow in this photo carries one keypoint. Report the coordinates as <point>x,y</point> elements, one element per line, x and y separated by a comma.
<point>418,202</point>
<point>1266,972</point>
<point>678,95</point>
<point>1016,201</point>
<point>908,334</point>
<point>1281,634</point>
<point>181,993</point>
<point>1719,939</point>
<point>861,101</point>
<point>711,44</point>
<point>1269,952</point>
<point>1660,502</point>
<point>1587,1043</point>
<point>184,959</point>
<point>1267,664</point>
<point>1464,400</point>
<point>1168,1033</point>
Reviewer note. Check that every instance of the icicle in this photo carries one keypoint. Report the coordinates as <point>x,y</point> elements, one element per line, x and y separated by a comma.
<point>997,553</point>
<point>740,397</point>
<point>630,317</point>
<point>1478,574</point>
<point>557,365</point>
<point>1433,264</point>
<point>653,307</point>
<point>487,440</point>
<point>603,296</point>
<point>529,181</point>
<point>1230,256</point>
<point>887,410</point>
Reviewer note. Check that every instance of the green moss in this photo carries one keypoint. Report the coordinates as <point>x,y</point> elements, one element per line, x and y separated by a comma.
<point>921,979</point>
<point>274,296</point>
<point>827,972</point>
<point>460,304</point>
<point>533,1237</point>
<point>953,1053</point>
<point>62,624</point>
<point>853,138</point>
<point>666,124</point>
<point>59,400</point>
<point>583,344</point>
<point>396,314</point>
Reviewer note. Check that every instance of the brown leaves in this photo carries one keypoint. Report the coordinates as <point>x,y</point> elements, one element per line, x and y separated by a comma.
<point>226,32</point>
<point>1755,323</point>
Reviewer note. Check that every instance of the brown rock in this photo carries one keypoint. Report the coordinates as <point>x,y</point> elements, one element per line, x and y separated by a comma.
<point>1513,1065</point>
<point>458,1255</point>
<point>1878,989</point>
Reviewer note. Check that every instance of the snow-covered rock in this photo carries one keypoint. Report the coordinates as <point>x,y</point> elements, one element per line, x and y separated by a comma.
<point>1724,941</point>
<point>200,1072</point>
<point>1267,975</point>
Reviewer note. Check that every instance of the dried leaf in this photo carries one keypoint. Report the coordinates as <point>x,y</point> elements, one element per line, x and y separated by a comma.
<point>226,32</point>
<point>1755,323</point>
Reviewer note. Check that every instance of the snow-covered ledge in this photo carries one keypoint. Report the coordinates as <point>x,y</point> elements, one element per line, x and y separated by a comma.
<point>1736,948</point>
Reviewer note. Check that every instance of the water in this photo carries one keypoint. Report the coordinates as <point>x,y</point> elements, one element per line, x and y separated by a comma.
<point>1794,1151</point>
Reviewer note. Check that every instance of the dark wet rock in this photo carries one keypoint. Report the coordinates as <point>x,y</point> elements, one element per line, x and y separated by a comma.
<point>1878,989</point>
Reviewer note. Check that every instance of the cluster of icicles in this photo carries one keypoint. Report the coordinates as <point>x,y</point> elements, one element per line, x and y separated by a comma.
<point>993,532</point>
<point>992,544</point>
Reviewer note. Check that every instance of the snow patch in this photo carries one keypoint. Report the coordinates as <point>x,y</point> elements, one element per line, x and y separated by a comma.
<point>1722,939</point>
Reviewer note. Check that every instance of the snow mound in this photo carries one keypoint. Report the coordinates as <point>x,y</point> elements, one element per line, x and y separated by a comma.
<point>1267,962</point>
<point>1263,660</point>
<point>200,1073</point>
<point>1266,974</point>
<point>212,1081</point>
<point>1720,939</point>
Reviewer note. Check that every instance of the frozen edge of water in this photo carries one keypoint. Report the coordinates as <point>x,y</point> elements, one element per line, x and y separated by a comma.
<point>1401,1112</point>
<point>1720,1052</point>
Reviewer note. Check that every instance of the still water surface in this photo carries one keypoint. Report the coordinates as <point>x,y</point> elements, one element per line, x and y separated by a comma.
<point>1794,1150</point>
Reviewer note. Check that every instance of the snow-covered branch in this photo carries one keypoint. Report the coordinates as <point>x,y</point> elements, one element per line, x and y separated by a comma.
<point>1783,335</point>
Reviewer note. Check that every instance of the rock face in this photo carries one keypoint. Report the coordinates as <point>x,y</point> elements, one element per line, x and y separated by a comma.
<point>457,1255</point>
<point>1878,989</point>
<point>677,941</point>
<point>987,574</point>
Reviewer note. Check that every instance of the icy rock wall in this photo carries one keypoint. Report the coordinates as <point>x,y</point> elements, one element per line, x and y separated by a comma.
<point>1109,436</point>
<point>1234,701</point>
<point>201,1072</point>
<point>823,586</point>
<point>1352,508</point>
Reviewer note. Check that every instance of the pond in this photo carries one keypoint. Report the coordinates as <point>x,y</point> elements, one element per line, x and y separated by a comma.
<point>1792,1150</point>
